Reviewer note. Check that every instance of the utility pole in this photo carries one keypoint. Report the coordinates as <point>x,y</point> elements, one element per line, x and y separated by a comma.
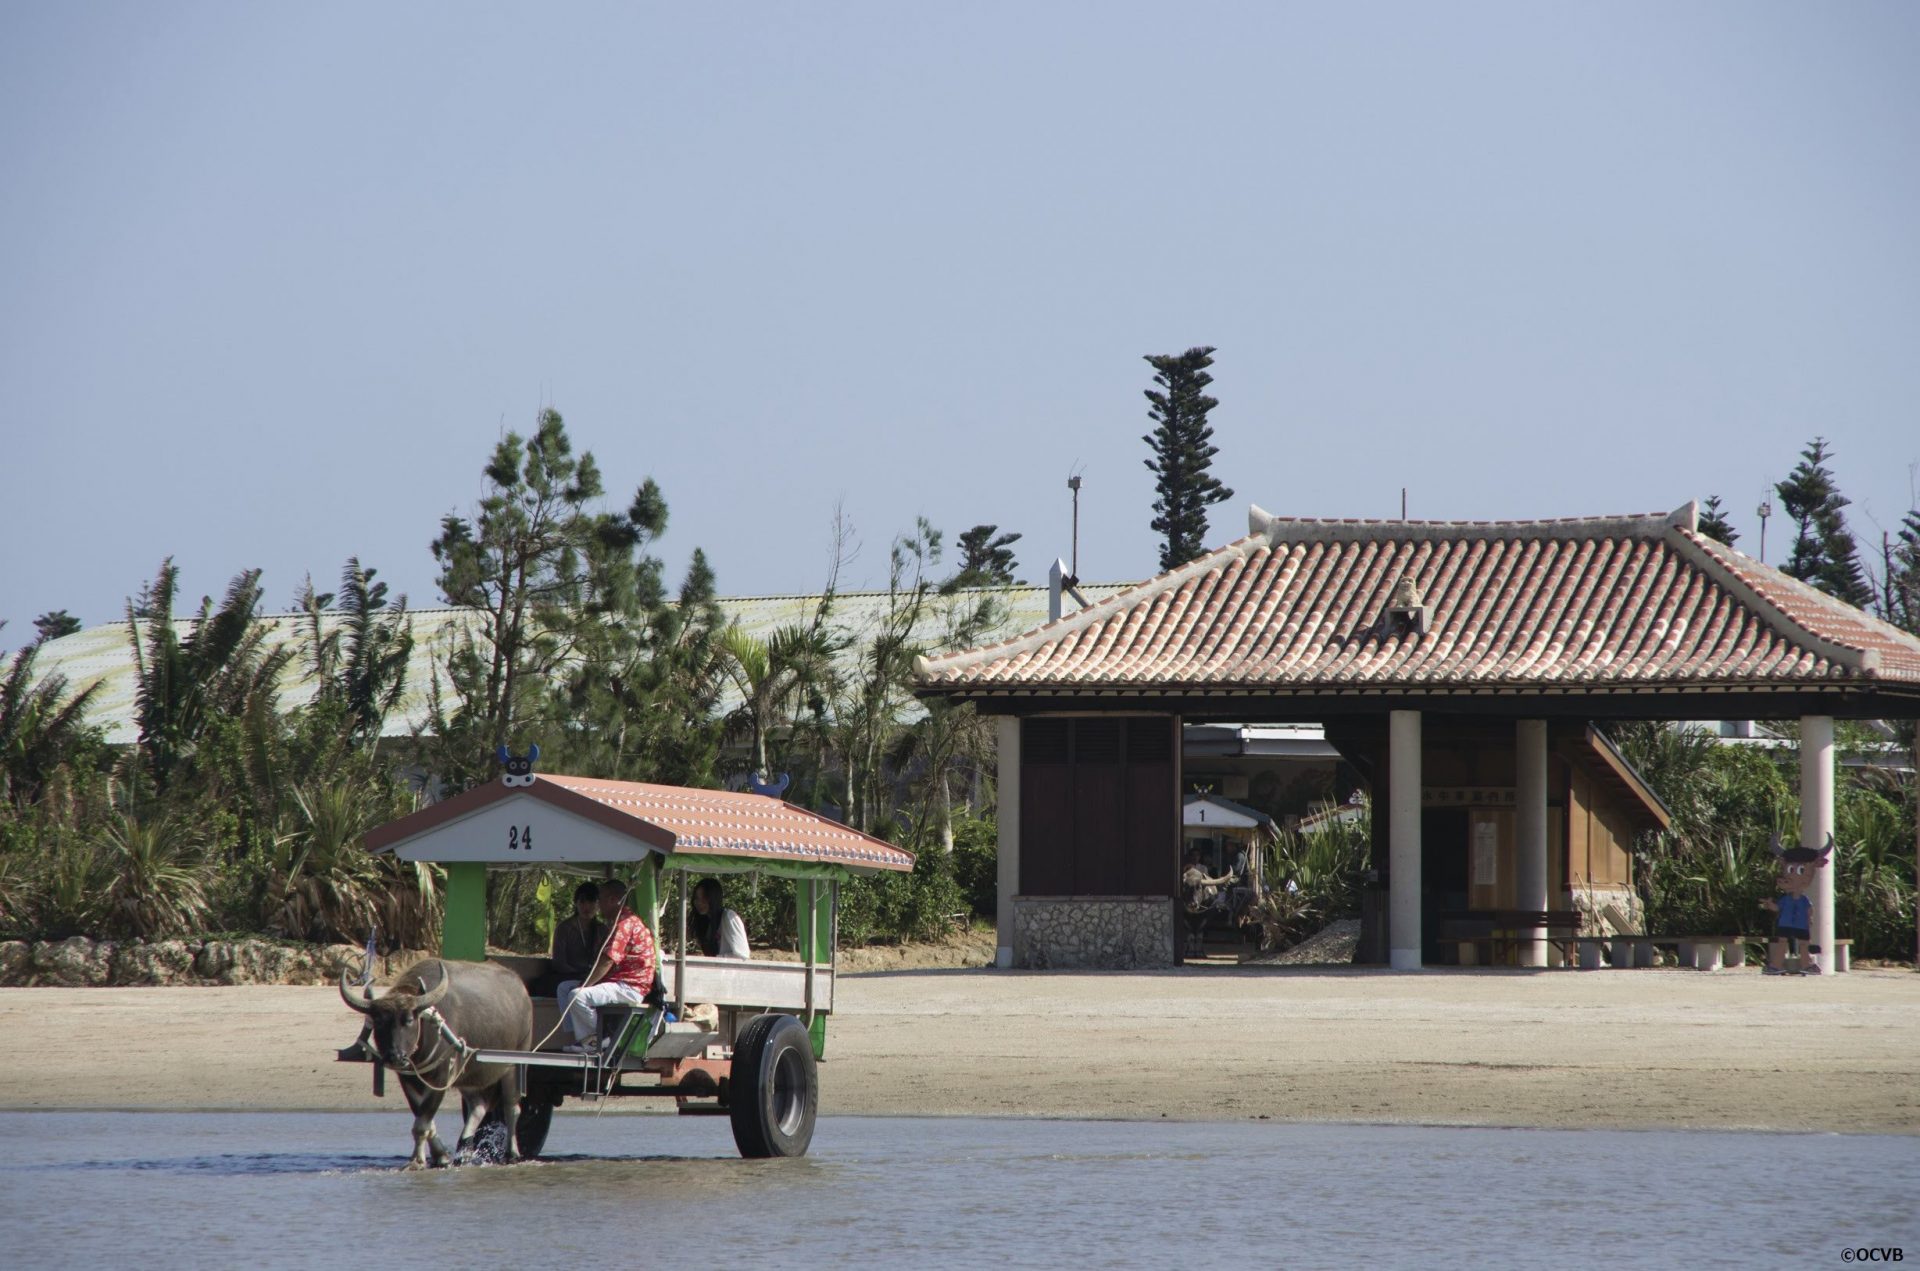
<point>1765,510</point>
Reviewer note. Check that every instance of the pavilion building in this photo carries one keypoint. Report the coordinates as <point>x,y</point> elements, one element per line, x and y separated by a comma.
<point>1460,667</point>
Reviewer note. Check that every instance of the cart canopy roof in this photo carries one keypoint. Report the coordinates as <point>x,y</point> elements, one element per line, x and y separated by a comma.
<point>1210,811</point>
<point>550,819</point>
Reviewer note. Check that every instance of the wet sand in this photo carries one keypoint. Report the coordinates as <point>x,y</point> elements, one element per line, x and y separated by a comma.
<point>1659,1048</point>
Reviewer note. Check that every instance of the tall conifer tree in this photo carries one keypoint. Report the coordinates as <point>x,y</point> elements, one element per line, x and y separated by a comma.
<point>986,558</point>
<point>1183,451</point>
<point>1824,552</point>
<point>1714,523</point>
<point>1903,575</point>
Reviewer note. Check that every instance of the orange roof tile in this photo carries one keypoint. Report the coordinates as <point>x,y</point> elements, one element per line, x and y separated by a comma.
<point>672,820</point>
<point>735,823</point>
<point>1593,603</point>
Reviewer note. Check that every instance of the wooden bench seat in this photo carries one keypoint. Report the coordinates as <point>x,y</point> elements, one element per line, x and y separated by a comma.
<point>1487,937</point>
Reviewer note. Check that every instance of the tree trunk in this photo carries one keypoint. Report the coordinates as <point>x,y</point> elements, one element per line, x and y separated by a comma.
<point>946,814</point>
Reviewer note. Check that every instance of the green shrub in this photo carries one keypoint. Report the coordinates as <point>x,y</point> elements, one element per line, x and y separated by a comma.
<point>156,877</point>
<point>976,863</point>
<point>1314,878</point>
<point>1873,881</point>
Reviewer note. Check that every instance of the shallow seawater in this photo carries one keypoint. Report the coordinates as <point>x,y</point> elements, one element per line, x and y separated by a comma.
<point>111,1189</point>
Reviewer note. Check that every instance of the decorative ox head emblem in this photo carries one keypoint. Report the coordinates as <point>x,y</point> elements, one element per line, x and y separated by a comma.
<point>519,772</point>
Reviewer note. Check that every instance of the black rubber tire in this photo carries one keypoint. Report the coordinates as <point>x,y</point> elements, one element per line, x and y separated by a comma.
<point>530,1131</point>
<point>773,1088</point>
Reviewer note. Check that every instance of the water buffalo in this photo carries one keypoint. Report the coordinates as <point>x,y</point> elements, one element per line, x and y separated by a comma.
<point>425,1029</point>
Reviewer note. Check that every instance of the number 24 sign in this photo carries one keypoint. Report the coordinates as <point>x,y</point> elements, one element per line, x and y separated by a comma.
<point>520,838</point>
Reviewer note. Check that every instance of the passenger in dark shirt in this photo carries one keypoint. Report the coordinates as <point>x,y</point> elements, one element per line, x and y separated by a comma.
<point>576,943</point>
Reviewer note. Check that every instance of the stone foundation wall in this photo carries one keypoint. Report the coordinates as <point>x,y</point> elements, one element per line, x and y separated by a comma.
<point>1589,902</point>
<point>1109,933</point>
<point>82,963</point>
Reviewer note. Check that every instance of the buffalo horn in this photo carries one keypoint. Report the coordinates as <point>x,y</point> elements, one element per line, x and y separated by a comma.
<point>355,995</point>
<point>1774,846</point>
<point>432,996</point>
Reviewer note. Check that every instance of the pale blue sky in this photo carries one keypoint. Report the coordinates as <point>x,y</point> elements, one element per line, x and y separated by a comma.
<point>276,276</point>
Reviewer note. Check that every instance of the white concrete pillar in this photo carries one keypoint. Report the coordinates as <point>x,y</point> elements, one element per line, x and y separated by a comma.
<point>1816,823</point>
<point>1530,829</point>
<point>1403,840</point>
<point>1008,735</point>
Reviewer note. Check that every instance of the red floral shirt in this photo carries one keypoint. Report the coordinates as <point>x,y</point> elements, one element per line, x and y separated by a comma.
<point>630,950</point>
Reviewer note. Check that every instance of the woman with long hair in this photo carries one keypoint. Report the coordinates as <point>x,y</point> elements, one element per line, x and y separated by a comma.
<point>716,928</point>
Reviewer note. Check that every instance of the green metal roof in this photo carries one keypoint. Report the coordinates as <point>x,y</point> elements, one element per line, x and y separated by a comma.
<point>103,655</point>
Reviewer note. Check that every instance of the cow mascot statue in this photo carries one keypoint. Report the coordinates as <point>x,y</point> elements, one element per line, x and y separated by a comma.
<point>427,1028</point>
<point>1793,908</point>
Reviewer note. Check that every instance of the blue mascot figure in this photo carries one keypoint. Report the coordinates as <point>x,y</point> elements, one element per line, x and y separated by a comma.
<point>519,770</point>
<point>1793,908</point>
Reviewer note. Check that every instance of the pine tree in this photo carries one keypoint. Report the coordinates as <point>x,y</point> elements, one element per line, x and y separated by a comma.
<point>53,625</point>
<point>1714,523</point>
<point>1183,451</point>
<point>560,583</point>
<point>986,558</point>
<point>1824,552</point>
<point>1903,576</point>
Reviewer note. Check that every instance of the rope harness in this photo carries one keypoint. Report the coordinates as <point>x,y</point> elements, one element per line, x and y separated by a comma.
<point>443,1034</point>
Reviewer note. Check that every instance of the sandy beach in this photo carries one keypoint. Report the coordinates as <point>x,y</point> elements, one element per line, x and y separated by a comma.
<point>1659,1048</point>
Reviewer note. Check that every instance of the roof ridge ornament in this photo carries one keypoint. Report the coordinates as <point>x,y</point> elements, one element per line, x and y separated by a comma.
<point>519,769</point>
<point>1406,610</point>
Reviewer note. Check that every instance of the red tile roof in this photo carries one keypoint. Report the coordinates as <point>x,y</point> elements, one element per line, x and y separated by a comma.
<point>1595,603</point>
<point>730,823</point>
<point>672,820</point>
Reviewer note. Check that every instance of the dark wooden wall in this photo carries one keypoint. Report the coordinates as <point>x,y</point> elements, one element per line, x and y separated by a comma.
<point>1099,806</point>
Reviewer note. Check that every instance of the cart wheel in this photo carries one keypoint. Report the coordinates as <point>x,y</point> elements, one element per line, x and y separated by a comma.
<point>530,1132</point>
<point>774,1088</point>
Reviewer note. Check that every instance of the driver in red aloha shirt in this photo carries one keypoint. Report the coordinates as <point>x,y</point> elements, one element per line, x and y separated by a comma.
<point>622,973</point>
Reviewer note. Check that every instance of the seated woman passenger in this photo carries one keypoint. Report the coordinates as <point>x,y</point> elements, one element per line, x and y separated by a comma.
<point>718,929</point>
<point>576,943</point>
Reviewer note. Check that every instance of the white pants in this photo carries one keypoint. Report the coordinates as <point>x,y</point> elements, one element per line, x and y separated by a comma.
<point>563,993</point>
<point>583,1011</point>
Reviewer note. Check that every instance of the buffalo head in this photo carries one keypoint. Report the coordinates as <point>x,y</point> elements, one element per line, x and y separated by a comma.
<point>396,1019</point>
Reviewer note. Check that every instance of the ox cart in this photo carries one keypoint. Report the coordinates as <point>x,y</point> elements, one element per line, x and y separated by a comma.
<point>749,1050</point>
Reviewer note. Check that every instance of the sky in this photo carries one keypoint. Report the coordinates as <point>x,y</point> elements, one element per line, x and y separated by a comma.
<point>276,277</point>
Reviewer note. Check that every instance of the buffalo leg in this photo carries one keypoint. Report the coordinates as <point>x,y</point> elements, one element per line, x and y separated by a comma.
<point>474,1107</point>
<point>509,1096</point>
<point>425,1104</point>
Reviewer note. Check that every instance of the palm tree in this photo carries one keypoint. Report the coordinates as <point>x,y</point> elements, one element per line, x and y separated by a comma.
<point>38,732</point>
<point>222,667</point>
<point>948,739</point>
<point>772,677</point>
<point>360,662</point>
